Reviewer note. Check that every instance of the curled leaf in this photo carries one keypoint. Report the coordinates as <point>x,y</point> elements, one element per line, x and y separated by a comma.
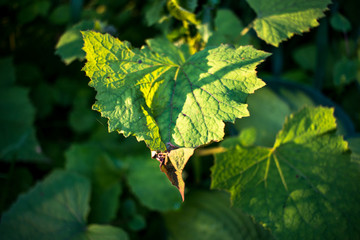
<point>173,163</point>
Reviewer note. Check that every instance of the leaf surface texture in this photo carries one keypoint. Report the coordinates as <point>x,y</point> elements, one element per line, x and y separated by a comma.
<point>305,187</point>
<point>279,20</point>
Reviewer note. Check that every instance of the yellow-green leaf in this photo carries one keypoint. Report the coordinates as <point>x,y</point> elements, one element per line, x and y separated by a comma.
<point>279,20</point>
<point>165,98</point>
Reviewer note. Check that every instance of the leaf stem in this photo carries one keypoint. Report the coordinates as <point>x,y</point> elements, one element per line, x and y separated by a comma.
<point>247,29</point>
<point>176,73</point>
<point>280,172</point>
<point>209,151</point>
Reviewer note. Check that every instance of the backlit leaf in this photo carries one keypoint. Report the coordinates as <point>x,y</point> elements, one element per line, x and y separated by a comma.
<point>305,187</point>
<point>279,20</point>
<point>163,98</point>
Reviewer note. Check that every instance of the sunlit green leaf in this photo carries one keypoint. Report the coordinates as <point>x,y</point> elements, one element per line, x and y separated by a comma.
<point>162,98</point>
<point>303,187</point>
<point>279,20</point>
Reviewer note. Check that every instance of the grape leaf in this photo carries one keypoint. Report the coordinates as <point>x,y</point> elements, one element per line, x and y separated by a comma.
<point>55,209</point>
<point>302,188</point>
<point>165,100</point>
<point>279,20</point>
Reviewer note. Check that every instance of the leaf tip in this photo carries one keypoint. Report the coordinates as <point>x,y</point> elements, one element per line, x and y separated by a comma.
<point>174,177</point>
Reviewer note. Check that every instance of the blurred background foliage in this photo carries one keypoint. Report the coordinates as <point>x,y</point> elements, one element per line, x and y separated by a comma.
<point>46,121</point>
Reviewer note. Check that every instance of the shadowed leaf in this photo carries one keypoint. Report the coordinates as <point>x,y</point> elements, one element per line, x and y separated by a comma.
<point>55,208</point>
<point>302,188</point>
<point>173,167</point>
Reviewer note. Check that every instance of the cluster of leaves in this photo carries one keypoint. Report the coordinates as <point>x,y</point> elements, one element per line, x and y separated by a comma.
<point>284,159</point>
